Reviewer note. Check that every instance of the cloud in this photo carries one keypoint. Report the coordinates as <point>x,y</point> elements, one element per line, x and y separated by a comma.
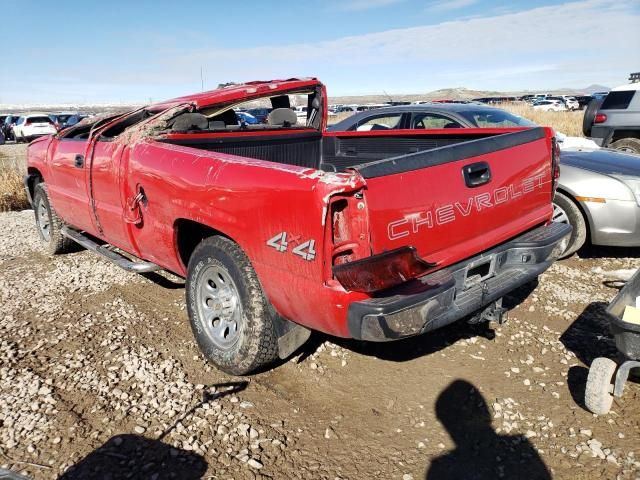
<point>448,5</point>
<point>540,48</point>
<point>359,5</point>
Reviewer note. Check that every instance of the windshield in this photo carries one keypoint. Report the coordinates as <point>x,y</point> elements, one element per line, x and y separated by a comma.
<point>495,119</point>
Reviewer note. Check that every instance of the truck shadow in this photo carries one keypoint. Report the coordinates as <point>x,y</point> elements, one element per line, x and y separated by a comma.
<point>480,453</point>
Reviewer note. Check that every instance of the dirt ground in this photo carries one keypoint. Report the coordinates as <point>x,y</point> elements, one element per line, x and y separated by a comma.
<point>100,378</point>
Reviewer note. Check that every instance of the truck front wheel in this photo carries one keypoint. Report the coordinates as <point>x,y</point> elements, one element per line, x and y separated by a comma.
<point>48,223</point>
<point>230,316</point>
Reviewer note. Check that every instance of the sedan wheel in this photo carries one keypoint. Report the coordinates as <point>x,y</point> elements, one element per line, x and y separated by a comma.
<point>566,211</point>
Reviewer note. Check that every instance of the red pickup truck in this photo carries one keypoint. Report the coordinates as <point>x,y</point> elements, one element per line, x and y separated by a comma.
<point>282,228</point>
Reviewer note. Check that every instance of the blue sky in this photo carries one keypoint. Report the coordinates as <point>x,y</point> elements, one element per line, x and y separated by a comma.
<point>126,51</point>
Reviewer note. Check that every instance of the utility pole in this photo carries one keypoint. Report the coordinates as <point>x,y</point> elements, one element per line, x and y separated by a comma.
<point>201,80</point>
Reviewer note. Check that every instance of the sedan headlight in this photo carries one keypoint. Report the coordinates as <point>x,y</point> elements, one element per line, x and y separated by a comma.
<point>633,183</point>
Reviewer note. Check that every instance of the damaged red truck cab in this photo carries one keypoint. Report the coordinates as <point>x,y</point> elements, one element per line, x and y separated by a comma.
<point>282,228</point>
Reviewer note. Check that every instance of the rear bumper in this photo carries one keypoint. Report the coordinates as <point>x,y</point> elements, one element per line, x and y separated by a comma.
<point>447,295</point>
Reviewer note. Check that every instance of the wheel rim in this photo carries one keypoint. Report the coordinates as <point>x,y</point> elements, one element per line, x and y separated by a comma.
<point>559,215</point>
<point>626,150</point>
<point>219,307</point>
<point>42,219</point>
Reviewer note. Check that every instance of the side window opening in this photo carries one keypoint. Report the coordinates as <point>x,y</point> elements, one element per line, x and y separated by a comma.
<point>290,110</point>
<point>379,122</point>
<point>433,121</point>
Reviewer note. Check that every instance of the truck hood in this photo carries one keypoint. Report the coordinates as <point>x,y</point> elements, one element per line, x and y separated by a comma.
<point>607,162</point>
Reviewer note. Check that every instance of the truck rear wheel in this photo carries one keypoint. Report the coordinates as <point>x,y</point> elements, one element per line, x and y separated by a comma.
<point>230,316</point>
<point>565,211</point>
<point>48,223</point>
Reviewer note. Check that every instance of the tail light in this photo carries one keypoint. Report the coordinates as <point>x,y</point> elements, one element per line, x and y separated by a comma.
<point>352,264</point>
<point>600,118</point>
<point>382,271</point>
<point>555,165</point>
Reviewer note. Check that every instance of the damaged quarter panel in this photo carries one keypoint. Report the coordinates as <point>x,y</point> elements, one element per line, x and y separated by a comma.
<point>276,213</point>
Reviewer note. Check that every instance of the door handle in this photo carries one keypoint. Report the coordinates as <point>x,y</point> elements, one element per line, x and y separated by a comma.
<point>476,174</point>
<point>79,161</point>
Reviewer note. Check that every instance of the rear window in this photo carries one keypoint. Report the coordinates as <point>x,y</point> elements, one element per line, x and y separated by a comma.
<point>618,100</point>
<point>39,120</point>
<point>496,119</point>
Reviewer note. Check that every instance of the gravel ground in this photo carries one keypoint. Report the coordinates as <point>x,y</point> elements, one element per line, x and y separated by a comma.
<point>100,378</point>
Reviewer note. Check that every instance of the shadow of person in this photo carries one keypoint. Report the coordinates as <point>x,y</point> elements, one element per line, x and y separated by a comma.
<point>480,453</point>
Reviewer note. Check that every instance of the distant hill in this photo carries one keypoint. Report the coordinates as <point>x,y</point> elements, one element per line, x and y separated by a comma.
<point>459,93</point>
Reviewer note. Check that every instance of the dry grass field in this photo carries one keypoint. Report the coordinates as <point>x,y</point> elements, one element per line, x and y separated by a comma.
<point>569,123</point>
<point>12,171</point>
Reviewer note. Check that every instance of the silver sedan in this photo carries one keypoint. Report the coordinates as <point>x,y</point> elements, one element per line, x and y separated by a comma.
<point>599,195</point>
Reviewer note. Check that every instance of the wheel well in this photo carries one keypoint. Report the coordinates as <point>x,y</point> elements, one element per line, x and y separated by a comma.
<point>580,209</point>
<point>620,134</point>
<point>188,234</point>
<point>35,177</point>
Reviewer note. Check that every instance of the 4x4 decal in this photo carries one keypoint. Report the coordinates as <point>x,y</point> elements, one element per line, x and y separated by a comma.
<point>305,250</point>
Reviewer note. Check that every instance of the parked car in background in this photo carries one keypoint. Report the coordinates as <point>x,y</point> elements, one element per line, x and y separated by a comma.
<point>550,106</point>
<point>73,119</point>
<point>431,116</point>
<point>60,119</point>
<point>32,126</point>
<point>615,121</point>
<point>246,117</point>
<point>7,126</point>
<point>569,101</point>
<point>583,101</point>
<point>599,196</point>
<point>301,113</point>
<point>260,114</point>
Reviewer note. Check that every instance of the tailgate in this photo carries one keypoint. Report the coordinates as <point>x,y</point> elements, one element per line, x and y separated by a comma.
<point>456,201</point>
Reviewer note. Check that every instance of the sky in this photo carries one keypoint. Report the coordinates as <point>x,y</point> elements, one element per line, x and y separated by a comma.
<point>135,51</point>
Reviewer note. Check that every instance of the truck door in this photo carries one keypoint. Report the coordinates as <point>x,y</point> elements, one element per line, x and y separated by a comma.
<point>67,185</point>
<point>106,203</point>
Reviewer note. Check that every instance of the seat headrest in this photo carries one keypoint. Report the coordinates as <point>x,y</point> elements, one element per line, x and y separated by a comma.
<point>190,121</point>
<point>282,116</point>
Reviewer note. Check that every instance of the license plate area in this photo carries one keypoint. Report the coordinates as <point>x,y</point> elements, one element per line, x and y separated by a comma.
<point>479,270</point>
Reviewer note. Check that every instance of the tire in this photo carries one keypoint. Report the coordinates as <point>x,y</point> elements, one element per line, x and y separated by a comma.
<point>629,145</point>
<point>566,211</point>
<point>231,319</point>
<point>598,396</point>
<point>48,223</point>
<point>589,115</point>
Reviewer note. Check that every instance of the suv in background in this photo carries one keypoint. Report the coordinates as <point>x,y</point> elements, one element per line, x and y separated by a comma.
<point>32,126</point>
<point>615,121</point>
<point>7,126</point>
